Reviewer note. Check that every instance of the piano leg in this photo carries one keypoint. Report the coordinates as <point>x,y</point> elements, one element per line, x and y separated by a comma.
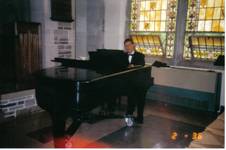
<point>131,103</point>
<point>61,135</point>
<point>73,128</point>
<point>58,128</point>
<point>140,104</point>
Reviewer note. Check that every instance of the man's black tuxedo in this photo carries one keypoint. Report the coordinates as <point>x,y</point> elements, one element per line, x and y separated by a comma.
<point>137,59</point>
<point>136,96</point>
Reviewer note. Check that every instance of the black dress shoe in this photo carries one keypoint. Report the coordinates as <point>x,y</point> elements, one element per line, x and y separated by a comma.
<point>139,120</point>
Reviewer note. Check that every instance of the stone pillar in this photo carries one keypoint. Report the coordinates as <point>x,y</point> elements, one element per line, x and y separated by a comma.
<point>95,24</point>
<point>180,31</point>
<point>115,23</point>
<point>81,29</point>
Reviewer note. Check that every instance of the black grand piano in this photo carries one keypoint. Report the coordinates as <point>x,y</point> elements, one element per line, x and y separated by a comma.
<point>78,86</point>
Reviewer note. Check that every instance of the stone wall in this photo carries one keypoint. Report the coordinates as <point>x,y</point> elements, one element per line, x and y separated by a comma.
<point>14,104</point>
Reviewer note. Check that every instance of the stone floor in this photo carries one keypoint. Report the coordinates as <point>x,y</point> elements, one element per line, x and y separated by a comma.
<point>165,126</point>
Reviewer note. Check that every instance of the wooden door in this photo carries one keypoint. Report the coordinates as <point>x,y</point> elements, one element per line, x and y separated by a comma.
<point>27,53</point>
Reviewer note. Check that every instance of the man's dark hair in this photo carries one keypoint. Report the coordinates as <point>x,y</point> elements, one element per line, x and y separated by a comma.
<point>128,40</point>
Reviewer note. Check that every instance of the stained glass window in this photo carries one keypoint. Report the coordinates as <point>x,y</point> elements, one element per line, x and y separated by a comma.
<point>148,44</point>
<point>154,19</point>
<point>204,47</point>
<point>205,18</point>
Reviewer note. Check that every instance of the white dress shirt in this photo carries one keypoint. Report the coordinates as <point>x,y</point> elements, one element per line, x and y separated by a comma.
<point>130,56</point>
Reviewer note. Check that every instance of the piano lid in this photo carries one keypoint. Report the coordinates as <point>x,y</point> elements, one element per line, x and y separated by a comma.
<point>82,74</point>
<point>69,73</point>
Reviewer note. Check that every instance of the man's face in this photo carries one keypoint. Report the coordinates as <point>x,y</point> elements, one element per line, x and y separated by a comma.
<point>129,47</point>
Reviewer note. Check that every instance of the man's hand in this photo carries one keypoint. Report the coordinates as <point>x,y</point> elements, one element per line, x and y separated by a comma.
<point>131,65</point>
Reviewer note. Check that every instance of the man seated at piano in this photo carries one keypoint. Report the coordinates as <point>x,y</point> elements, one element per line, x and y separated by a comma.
<point>134,58</point>
<point>136,96</point>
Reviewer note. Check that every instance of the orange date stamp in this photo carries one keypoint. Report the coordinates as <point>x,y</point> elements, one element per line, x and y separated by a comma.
<point>194,136</point>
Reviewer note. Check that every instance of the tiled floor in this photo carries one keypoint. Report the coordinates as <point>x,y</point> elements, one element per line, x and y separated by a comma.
<point>157,132</point>
<point>161,120</point>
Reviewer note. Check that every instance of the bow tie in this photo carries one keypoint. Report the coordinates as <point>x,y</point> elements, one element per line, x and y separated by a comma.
<point>130,54</point>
